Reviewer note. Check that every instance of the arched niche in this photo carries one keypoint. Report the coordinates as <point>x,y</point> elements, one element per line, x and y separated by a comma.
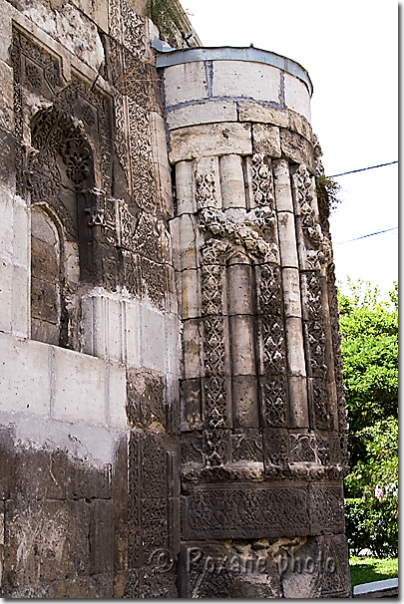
<point>60,177</point>
<point>60,165</point>
<point>46,276</point>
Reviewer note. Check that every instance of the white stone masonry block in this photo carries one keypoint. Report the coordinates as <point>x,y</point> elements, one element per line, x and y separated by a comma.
<point>187,241</point>
<point>300,125</point>
<point>295,347</point>
<point>185,191</point>
<point>20,305</point>
<point>291,292</point>
<point>287,240</point>
<point>192,349</point>
<point>190,296</point>
<point>6,223</point>
<point>116,409</point>
<point>152,338</point>
<point>232,182</point>
<point>297,96</point>
<point>240,289</point>
<point>97,11</point>
<point>6,30</point>
<point>244,79</point>
<point>131,309</point>
<point>209,112</point>
<point>172,343</point>
<point>298,401</point>
<point>210,139</point>
<point>242,345</point>
<point>185,82</point>
<point>255,112</point>
<point>79,389</point>
<point>266,140</point>
<point>114,326</point>
<point>21,233</point>
<point>24,377</point>
<point>6,285</point>
<point>282,185</point>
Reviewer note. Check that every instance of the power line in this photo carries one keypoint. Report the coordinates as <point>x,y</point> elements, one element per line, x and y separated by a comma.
<point>364,169</point>
<point>364,236</point>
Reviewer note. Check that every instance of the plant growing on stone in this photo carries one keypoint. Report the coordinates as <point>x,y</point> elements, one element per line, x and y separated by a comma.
<point>328,191</point>
<point>166,15</point>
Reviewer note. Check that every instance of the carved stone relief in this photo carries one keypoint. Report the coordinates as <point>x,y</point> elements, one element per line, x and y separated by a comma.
<point>262,181</point>
<point>246,512</point>
<point>315,336</point>
<point>317,248</point>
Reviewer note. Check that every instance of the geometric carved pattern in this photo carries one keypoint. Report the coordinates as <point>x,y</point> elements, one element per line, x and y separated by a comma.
<point>56,133</point>
<point>315,325</point>
<point>215,436</point>
<point>326,508</point>
<point>336,349</point>
<point>317,251</point>
<point>270,291</point>
<point>334,575</point>
<point>315,339</point>
<point>247,446</point>
<point>212,289</point>
<point>276,450</point>
<point>205,191</point>
<point>272,342</point>
<point>262,181</point>
<point>303,448</point>
<point>141,156</point>
<point>53,132</point>
<point>275,401</point>
<point>246,512</point>
<point>149,489</point>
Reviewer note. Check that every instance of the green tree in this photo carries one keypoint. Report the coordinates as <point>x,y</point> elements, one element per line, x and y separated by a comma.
<point>369,349</point>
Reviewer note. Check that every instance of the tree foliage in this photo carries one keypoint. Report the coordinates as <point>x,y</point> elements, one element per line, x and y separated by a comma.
<point>369,349</point>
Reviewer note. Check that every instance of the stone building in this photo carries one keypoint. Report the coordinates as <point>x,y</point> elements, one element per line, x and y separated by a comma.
<point>172,416</point>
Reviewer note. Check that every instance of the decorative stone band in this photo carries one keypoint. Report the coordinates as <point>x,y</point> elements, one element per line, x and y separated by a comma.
<point>256,511</point>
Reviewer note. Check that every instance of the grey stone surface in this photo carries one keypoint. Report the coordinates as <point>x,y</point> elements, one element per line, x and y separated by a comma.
<point>170,388</point>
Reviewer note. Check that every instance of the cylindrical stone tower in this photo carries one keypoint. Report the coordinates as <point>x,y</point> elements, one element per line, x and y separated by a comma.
<point>263,411</point>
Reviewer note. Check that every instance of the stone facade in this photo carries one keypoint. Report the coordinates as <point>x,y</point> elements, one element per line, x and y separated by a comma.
<point>171,387</point>
<point>262,405</point>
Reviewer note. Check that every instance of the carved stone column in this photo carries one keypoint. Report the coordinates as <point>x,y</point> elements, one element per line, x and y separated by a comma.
<point>263,425</point>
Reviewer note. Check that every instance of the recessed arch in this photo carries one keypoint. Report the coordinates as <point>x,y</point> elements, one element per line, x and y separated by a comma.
<point>46,274</point>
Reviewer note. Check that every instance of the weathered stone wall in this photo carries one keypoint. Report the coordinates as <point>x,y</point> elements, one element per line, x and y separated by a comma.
<point>262,407</point>
<point>88,310</point>
<point>169,365</point>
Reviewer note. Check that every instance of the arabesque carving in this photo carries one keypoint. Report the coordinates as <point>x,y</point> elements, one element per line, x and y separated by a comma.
<point>221,225</point>
<point>262,181</point>
<point>318,247</point>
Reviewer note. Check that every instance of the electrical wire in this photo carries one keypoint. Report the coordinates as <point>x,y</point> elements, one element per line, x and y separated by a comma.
<point>365,236</point>
<point>363,169</point>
